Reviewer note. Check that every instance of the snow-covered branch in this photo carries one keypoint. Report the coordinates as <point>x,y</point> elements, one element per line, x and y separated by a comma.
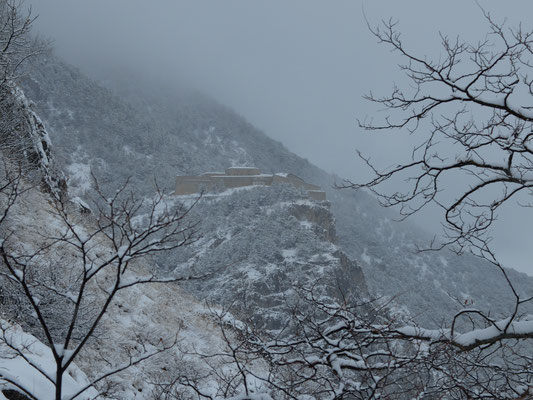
<point>70,280</point>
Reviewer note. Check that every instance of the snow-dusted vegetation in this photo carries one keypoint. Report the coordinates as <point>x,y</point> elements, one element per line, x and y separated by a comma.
<point>109,120</point>
<point>111,287</point>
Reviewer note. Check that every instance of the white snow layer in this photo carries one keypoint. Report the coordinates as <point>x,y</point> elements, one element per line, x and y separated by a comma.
<point>16,368</point>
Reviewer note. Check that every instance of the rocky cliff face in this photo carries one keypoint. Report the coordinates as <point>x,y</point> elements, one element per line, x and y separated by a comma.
<point>25,141</point>
<point>321,218</point>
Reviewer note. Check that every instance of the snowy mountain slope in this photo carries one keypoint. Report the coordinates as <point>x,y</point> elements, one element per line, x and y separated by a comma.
<point>432,285</point>
<point>94,128</point>
<point>261,241</point>
<point>161,135</point>
<point>139,319</point>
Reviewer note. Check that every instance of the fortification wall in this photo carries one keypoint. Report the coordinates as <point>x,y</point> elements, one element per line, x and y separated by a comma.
<point>193,184</point>
<point>236,177</point>
<point>243,171</point>
<point>318,195</point>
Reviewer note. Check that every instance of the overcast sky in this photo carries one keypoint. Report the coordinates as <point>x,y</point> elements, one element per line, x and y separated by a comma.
<point>297,69</point>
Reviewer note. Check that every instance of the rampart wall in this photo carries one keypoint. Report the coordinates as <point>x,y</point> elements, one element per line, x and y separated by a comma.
<point>236,177</point>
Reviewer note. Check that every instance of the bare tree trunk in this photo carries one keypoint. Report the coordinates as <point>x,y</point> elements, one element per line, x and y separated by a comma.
<point>59,382</point>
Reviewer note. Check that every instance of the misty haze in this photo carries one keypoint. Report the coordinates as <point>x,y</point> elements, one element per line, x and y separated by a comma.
<point>266,200</point>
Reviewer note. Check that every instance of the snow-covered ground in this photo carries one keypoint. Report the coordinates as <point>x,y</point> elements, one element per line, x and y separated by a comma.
<point>17,368</point>
<point>139,319</point>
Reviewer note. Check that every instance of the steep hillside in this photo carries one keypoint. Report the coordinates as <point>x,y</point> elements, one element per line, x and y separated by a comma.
<point>431,285</point>
<point>139,318</point>
<point>24,141</point>
<point>35,238</point>
<point>116,137</point>
<point>129,133</point>
<point>261,241</point>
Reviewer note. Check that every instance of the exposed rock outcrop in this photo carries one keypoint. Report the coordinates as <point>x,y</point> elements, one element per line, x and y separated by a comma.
<point>26,143</point>
<point>321,218</point>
